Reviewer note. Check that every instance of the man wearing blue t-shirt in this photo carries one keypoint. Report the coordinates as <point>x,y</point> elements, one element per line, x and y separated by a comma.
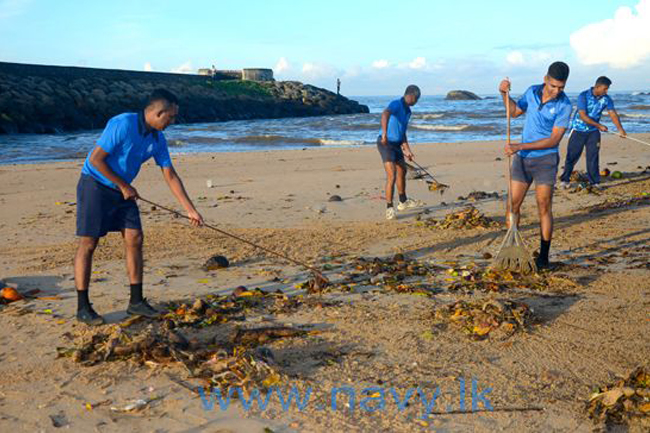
<point>536,158</point>
<point>585,132</point>
<point>393,147</point>
<point>106,199</point>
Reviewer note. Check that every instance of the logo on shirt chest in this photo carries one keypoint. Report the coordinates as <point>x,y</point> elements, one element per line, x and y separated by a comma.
<point>552,110</point>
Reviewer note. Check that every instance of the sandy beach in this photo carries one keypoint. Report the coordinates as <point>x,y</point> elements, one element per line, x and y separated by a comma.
<point>591,324</point>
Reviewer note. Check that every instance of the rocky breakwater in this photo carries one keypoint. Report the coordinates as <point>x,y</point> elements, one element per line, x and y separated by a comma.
<point>50,99</point>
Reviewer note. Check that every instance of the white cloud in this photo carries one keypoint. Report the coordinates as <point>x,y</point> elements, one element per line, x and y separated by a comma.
<point>515,58</point>
<point>185,68</point>
<point>380,64</point>
<point>531,58</point>
<point>316,71</point>
<point>282,66</point>
<point>12,8</point>
<point>147,67</point>
<point>620,42</point>
<point>418,63</point>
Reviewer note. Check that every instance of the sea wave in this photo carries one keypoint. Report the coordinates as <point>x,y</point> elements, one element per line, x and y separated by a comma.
<point>429,116</point>
<point>453,128</point>
<point>635,115</point>
<point>330,142</point>
<point>639,107</point>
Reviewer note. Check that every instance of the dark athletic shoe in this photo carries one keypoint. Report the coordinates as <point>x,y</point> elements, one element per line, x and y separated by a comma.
<point>143,309</point>
<point>542,264</point>
<point>90,317</point>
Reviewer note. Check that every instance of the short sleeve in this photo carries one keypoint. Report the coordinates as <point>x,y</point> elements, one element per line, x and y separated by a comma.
<point>161,152</point>
<point>563,116</point>
<point>114,134</point>
<point>523,100</point>
<point>582,101</point>
<point>610,103</point>
<point>394,106</point>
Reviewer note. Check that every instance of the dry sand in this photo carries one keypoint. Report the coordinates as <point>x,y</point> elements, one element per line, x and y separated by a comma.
<point>587,335</point>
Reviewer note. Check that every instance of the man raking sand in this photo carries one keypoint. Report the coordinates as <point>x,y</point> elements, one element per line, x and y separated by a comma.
<point>106,201</point>
<point>393,147</point>
<point>536,158</point>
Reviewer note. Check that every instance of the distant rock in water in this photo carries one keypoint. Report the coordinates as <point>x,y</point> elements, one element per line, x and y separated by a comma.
<point>462,95</point>
<point>50,99</point>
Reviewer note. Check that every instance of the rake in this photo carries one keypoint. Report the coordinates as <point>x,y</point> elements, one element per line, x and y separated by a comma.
<point>630,138</point>
<point>513,255</point>
<point>316,284</point>
<point>434,185</point>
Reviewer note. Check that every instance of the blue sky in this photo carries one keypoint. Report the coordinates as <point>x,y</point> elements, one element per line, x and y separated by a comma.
<point>375,47</point>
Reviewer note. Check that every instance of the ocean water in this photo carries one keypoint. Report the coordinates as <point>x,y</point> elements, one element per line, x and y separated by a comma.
<point>434,120</point>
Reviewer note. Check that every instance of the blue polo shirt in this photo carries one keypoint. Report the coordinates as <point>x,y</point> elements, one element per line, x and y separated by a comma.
<point>400,113</point>
<point>542,118</point>
<point>129,145</point>
<point>594,106</point>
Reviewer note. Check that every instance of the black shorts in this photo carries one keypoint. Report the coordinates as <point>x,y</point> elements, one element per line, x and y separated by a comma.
<point>541,169</point>
<point>101,209</point>
<point>390,152</point>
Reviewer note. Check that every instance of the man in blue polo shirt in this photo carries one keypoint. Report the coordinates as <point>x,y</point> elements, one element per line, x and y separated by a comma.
<point>106,201</point>
<point>536,158</point>
<point>393,147</point>
<point>586,129</point>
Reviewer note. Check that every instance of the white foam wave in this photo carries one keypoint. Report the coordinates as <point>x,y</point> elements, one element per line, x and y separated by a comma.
<point>330,142</point>
<point>431,116</point>
<point>441,127</point>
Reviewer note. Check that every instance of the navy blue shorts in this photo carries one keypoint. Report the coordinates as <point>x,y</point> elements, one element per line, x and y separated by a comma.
<point>541,169</point>
<point>101,209</point>
<point>391,152</point>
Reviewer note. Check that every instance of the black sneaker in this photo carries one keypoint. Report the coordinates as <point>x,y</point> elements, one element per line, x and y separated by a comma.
<point>542,264</point>
<point>89,316</point>
<point>143,309</point>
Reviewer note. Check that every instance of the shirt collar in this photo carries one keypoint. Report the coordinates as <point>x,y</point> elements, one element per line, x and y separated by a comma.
<point>540,91</point>
<point>142,127</point>
<point>591,92</point>
<point>406,107</point>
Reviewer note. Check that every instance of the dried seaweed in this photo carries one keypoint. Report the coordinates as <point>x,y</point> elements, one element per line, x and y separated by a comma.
<point>623,400</point>
<point>479,319</point>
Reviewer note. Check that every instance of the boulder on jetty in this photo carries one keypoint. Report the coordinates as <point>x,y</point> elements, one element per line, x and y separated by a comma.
<point>462,95</point>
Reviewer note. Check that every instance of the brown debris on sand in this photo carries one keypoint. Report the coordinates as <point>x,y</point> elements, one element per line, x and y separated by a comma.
<point>470,278</point>
<point>467,218</point>
<point>479,319</point>
<point>623,400</point>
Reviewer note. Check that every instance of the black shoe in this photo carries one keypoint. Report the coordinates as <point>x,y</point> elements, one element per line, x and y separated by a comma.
<point>89,316</point>
<point>143,309</point>
<point>542,264</point>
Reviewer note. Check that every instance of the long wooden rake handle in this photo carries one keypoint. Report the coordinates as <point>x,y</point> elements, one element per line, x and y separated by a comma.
<point>223,232</point>
<point>630,138</point>
<point>510,203</point>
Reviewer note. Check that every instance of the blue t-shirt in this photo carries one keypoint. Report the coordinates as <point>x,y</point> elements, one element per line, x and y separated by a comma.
<point>593,106</point>
<point>129,145</point>
<point>542,118</point>
<point>400,113</point>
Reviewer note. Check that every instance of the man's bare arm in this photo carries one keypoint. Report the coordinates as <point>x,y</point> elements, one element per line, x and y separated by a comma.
<point>98,160</point>
<point>589,121</point>
<point>178,189</point>
<point>552,141</point>
<point>385,115</point>
<point>504,89</point>
<point>617,121</point>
